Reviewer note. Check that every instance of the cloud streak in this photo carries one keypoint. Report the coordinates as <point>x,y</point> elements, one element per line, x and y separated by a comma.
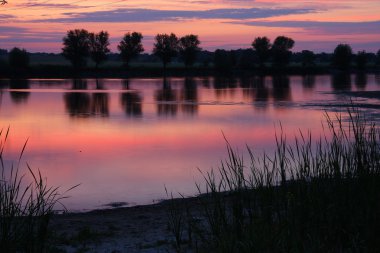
<point>335,28</point>
<point>51,6</point>
<point>152,15</point>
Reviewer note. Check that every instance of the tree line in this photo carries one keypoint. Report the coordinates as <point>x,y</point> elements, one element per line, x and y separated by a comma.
<point>79,45</point>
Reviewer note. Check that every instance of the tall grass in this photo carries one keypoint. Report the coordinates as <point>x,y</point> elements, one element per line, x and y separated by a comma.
<point>25,207</point>
<point>309,196</point>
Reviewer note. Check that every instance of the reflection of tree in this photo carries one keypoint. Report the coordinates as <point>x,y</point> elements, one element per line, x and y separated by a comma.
<point>377,78</point>
<point>166,100</point>
<point>99,101</point>
<point>262,93</point>
<point>245,83</point>
<point>125,84</point>
<point>78,103</point>
<point>189,96</point>
<point>79,84</point>
<point>19,96</point>
<point>82,104</point>
<point>341,81</point>
<point>99,84</point>
<point>131,102</point>
<point>206,82</point>
<point>361,80</point>
<point>224,85</point>
<point>281,88</point>
<point>99,104</point>
<point>3,85</point>
<point>308,82</point>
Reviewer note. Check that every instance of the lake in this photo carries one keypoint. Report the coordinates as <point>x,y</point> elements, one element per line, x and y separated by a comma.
<point>124,140</point>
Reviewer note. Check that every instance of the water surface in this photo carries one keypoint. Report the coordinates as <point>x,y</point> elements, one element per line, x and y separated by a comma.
<point>124,140</point>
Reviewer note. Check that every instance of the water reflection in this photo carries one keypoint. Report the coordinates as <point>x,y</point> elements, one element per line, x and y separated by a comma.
<point>77,104</point>
<point>206,82</point>
<point>361,80</point>
<point>245,82</point>
<point>166,100</point>
<point>79,84</point>
<point>99,104</point>
<point>308,82</point>
<point>245,112</point>
<point>4,84</point>
<point>19,97</point>
<point>224,86</point>
<point>262,92</point>
<point>189,96</point>
<point>341,81</point>
<point>125,84</point>
<point>281,88</point>
<point>377,78</point>
<point>99,84</point>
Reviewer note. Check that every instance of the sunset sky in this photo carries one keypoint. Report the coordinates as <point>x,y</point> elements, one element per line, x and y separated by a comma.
<point>40,25</point>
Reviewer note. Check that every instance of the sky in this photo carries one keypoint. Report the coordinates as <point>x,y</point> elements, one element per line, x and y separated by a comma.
<point>319,25</point>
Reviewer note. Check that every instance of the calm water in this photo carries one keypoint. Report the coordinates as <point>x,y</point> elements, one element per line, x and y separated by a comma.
<point>124,140</point>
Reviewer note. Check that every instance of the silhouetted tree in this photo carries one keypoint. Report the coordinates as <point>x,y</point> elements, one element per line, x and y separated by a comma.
<point>166,47</point>
<point>342,56</point>
<point>308,58</point>
<point>130,47</point>
<point>76,47</point>
<point>188,48</point>
<point>99,43</point>
<point>378,57</point>
<point>281,50</point>
<point>361,59</point>
<point>262,47</point>
<point>224,60</point>
<point>18,59</point>
<point>246,59</point>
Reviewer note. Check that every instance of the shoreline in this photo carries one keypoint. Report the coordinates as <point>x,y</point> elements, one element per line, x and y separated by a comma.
<point>56,71</point>
<point>141,228</point>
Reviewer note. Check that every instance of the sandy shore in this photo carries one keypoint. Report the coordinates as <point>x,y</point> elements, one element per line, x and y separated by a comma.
<point>129,229</point>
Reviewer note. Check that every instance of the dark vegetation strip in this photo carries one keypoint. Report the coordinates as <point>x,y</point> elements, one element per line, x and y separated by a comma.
<point>320,196</point>
<point>174,56</point>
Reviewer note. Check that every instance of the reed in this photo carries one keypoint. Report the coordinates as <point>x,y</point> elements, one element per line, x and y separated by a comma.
<point>309,196</point>
<point>25,207</point>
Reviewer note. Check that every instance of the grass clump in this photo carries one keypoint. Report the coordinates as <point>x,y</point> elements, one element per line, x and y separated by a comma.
<point>25,207</point>
<point>310,196</point>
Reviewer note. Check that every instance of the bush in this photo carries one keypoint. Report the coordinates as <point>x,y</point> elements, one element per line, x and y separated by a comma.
<point>18,58</point>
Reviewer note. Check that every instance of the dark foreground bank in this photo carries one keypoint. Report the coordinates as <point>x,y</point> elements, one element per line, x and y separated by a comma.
<point>311,195</point>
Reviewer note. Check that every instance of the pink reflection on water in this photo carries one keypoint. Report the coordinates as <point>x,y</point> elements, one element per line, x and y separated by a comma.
<point>123,141</point>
